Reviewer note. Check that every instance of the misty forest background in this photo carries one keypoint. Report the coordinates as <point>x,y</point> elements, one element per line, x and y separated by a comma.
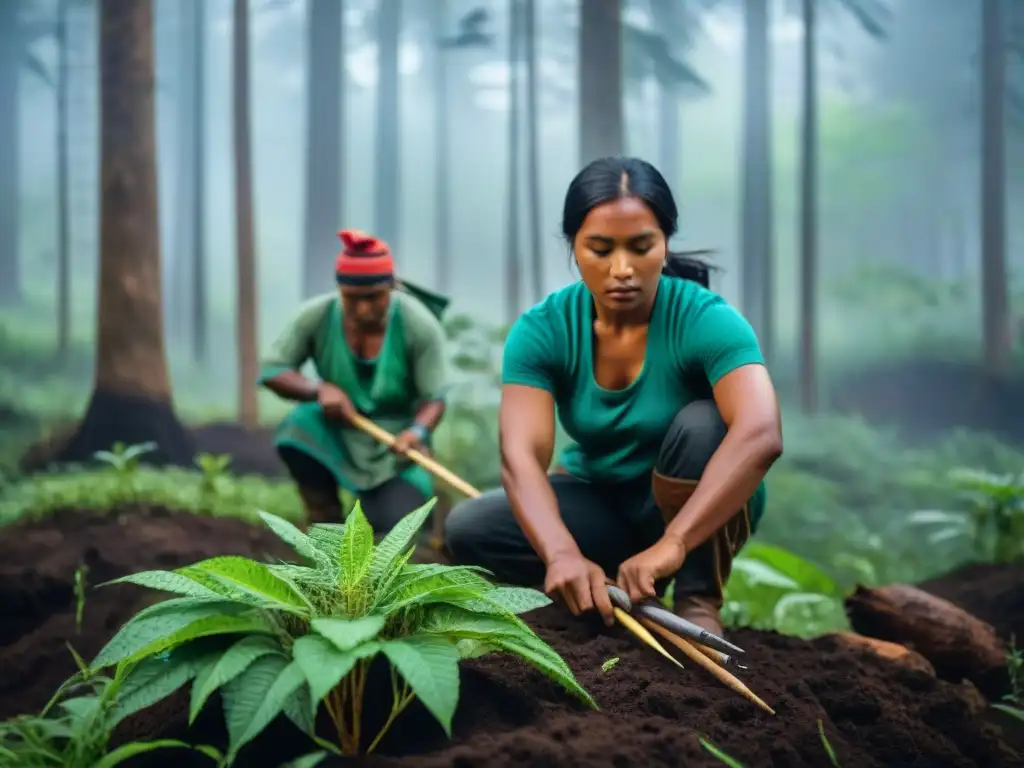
<point>856,167</point>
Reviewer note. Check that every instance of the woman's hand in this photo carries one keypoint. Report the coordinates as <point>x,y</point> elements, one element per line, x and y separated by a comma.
<point>334,403</point>
<point>581,584</point>
<point>638,574</point>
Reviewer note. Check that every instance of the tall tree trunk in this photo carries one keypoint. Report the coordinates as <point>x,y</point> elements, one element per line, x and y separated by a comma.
<point>387,191</point>
<point>324,143</point>
<point>245,238</point>
<point>63,208</point>
<point>669,140</point>
<point>131,400</point>
<point>178,298</point>
<point>809,215</point>
<point>600,80</point>
<point>10,167</point>
<point>995,291</point>
<point>442,149</point>
<point>528,29</point>
<point>199,325</point>
<point>757,225</point>
<point>513,298</point>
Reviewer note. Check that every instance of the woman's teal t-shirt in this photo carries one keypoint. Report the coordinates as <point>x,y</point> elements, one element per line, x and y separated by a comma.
<point>694,339</point>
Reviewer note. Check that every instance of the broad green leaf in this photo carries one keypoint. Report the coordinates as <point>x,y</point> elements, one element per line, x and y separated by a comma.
<point>421,585</point>
<point>208,627</point>
<point>346,634</point>
<point>382,587</point>
<point>300,710</point>
<point>126,751</point>
<point>159,621</point>
<point>397,541</point>
<point>307,761</point>
<point>291,536</point>
<point>232,663</point>
<point>430,665</point>
<point>473,649</point>
<point>240,574</point>
<point>936,516</point>
<point>538,654</point>
<point>246,721</point>
<point>154,679</point>
<point>356,548</point>
<point>796,601</point>
<point>761,574</point>
<point>168,581</point>
<point>326,537</point>
<point>808,576</point>
<point>514,600</point>
<point>324,665</point>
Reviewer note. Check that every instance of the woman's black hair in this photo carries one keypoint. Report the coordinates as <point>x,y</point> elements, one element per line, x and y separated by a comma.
<point>611,178</point>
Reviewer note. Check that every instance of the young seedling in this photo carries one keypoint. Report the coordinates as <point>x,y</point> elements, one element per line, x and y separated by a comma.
<point>609,663</point>
<point>80,586</point>
<point>1014,700</point>
<point>124,463</point>
<point>827,744</point>
<point>286,638</point>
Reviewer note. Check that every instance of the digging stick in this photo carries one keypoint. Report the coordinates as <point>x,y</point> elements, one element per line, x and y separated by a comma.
<point>730,680</point>
<point>429,464</point>
<point>646,637</point>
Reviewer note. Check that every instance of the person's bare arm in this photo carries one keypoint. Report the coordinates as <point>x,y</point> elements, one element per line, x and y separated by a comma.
<point>526,424</point>
<point>292,385</point>
<point>748,404</point>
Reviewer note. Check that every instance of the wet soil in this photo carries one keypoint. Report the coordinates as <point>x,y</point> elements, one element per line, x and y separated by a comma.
<point>875,712</point>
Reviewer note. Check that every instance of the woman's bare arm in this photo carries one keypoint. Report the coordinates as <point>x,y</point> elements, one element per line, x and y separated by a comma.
<point>526,424</point>
<point>748,404</point>
<point>292,385</point>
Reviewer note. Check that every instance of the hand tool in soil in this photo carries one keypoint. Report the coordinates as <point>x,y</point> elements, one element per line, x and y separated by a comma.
<point>719,649</point>
<point>723,675</point>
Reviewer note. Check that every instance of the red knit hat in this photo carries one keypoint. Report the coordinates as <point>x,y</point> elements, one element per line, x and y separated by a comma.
<point>364,259</point>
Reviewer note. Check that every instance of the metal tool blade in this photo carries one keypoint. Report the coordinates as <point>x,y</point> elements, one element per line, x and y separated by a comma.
<point>681,626</point>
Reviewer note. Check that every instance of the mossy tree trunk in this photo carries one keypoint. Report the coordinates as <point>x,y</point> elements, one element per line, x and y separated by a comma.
<point>131,400</point>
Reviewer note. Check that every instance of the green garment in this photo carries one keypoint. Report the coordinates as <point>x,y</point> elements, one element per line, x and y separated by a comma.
<point>410,369</point>
<point>694,339</point>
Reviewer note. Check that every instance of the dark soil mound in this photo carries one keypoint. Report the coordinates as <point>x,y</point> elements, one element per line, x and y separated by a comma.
<point>875,712</point>
<point>925,398</point>
<point>993,593</point>
<point>251,450</point>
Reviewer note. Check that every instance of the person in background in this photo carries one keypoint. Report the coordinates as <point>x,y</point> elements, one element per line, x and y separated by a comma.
<point>662,387</point>
<point>379,350</point>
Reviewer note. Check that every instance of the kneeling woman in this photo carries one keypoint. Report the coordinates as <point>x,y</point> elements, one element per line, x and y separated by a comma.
<point>662,387</point>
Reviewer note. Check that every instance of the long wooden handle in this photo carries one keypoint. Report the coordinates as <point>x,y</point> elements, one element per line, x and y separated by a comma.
<point>723,676</point>
<point>433,467</point>
<point>646,637</point>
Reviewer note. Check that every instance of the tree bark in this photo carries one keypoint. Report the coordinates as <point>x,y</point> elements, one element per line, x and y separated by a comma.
<point>245,239</point>
<point>63,171</point>
<point>757,229</point>
<point>387,190</point>
<point>324,144</point>
<point>600,80</point>
<point>10,167</point>
<point>809,215</point>
<point>442,150</point>
<point>997,340</point>
<point>513,274</point>
<point>131,400</point>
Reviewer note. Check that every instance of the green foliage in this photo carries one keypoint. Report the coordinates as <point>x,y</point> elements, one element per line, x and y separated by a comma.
<point>993,522</point>
<point>1013,702</point>
<point>74,729</point>
<point>284,638</point>
<point>209,491</point>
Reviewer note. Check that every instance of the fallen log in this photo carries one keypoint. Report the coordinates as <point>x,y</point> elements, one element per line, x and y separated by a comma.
<point>958,645</point>
<point>886,650</point>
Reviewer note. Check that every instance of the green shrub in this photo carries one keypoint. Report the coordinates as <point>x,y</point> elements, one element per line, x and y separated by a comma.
<point>283,638</point>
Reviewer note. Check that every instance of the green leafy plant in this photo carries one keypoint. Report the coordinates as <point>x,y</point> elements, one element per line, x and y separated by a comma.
<point>73,730</point>
<point>81,574</point>
<point>993,521</point>
<point>214,469</point>
<point>123,462</point>
<point>284,638</point>
<point>1013,702</point>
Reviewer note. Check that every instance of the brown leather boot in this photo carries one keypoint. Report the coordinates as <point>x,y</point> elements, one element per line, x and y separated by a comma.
<point>699,598</point>
<point>322,506</point>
